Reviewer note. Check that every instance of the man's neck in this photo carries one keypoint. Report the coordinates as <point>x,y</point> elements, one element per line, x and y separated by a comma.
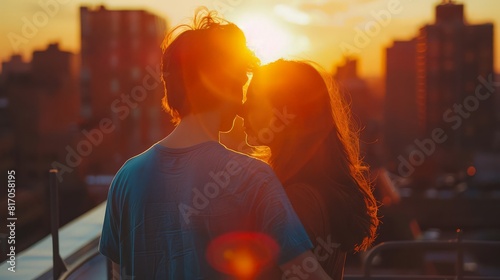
<point>193,130</point>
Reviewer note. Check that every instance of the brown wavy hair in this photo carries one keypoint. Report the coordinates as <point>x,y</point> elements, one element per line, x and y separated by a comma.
<point>320,146</point>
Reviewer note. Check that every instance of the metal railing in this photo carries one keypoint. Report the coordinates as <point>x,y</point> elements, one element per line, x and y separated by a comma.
<point>59,267</point>
<point>457,245</point>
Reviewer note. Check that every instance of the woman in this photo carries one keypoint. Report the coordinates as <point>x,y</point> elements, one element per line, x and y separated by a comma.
<point>294,111</point>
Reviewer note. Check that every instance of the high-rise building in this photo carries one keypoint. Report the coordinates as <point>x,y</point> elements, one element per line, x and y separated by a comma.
<point>14,69</point>
<point>41,101</point>
<point>39,115</point>
<point>15,65</point>
<point>451,57</point>
<point>400,110</point>
<point>56,72</point>
<point>356,92</point>
<point>120,64</point>
<point>432,80</point>
<point>365,107</point>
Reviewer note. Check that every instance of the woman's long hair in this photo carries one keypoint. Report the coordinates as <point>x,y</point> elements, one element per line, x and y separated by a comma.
<point>319,147</point>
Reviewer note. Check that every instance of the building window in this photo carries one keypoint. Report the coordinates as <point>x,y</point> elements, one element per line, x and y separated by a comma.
<point>136,114</point>
<point>115,22</point>
<point>86,23</point>
<point>113,60</point>
<point>135,73</point>
<point>113,44</point>
<point>86,111</point>
<point>433,66</point>
<point>135,43</point>
<point>433,50</point>
<point>85,74</point>
<point>449,49</point>
<point>470,86</point>
<point>449,65</point>
<point>152,28</point>
<point>114,86</point>
<point>134,22</point>
<point>469,57</point>
<point>4,102</point>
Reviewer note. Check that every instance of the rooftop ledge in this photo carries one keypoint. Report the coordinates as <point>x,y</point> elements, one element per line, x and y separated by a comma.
<point>74,240</point>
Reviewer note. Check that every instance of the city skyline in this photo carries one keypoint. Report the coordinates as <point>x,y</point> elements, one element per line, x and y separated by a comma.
<point>304,25</point>
<point>445,66</point>
<point>428,119</point>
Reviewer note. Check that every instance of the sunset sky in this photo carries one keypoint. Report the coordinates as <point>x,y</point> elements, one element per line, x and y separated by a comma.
<point>304,29</point>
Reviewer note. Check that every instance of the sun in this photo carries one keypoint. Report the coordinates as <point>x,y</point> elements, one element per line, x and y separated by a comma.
<point>269,40</point>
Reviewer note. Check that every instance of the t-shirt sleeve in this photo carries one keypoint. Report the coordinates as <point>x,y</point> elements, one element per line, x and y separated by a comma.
<point>277,218</point>
<point>109,244</point>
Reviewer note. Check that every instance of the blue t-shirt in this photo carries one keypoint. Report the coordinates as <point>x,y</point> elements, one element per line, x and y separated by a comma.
<point>165,206</point>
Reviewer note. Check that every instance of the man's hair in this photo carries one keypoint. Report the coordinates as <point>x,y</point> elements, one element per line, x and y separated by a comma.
<point>200,59</point>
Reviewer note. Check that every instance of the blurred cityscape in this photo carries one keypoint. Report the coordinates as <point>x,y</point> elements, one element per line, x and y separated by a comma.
<point>84,114</point>
<point>430,128</point>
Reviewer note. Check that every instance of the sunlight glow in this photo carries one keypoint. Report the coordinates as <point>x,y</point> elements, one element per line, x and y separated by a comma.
<point>292,15</point>
<point>243,255</point>
<point>266,38</point>
<point>243,263</point>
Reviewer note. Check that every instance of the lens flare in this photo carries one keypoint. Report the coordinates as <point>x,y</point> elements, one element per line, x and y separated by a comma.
<point>243,255</point>
<point>269,40</point>
<point>471,171</point>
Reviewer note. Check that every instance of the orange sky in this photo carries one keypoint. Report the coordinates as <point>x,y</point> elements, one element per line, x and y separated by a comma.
<point>304,29</point>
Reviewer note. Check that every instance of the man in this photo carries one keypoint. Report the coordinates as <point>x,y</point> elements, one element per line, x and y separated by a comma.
<point>166,205</point>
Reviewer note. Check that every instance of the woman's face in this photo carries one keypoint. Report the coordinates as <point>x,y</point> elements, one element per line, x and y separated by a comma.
<point>258,115</point>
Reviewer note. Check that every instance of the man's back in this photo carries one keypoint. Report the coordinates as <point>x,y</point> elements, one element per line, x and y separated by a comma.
<point>166,205</point>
